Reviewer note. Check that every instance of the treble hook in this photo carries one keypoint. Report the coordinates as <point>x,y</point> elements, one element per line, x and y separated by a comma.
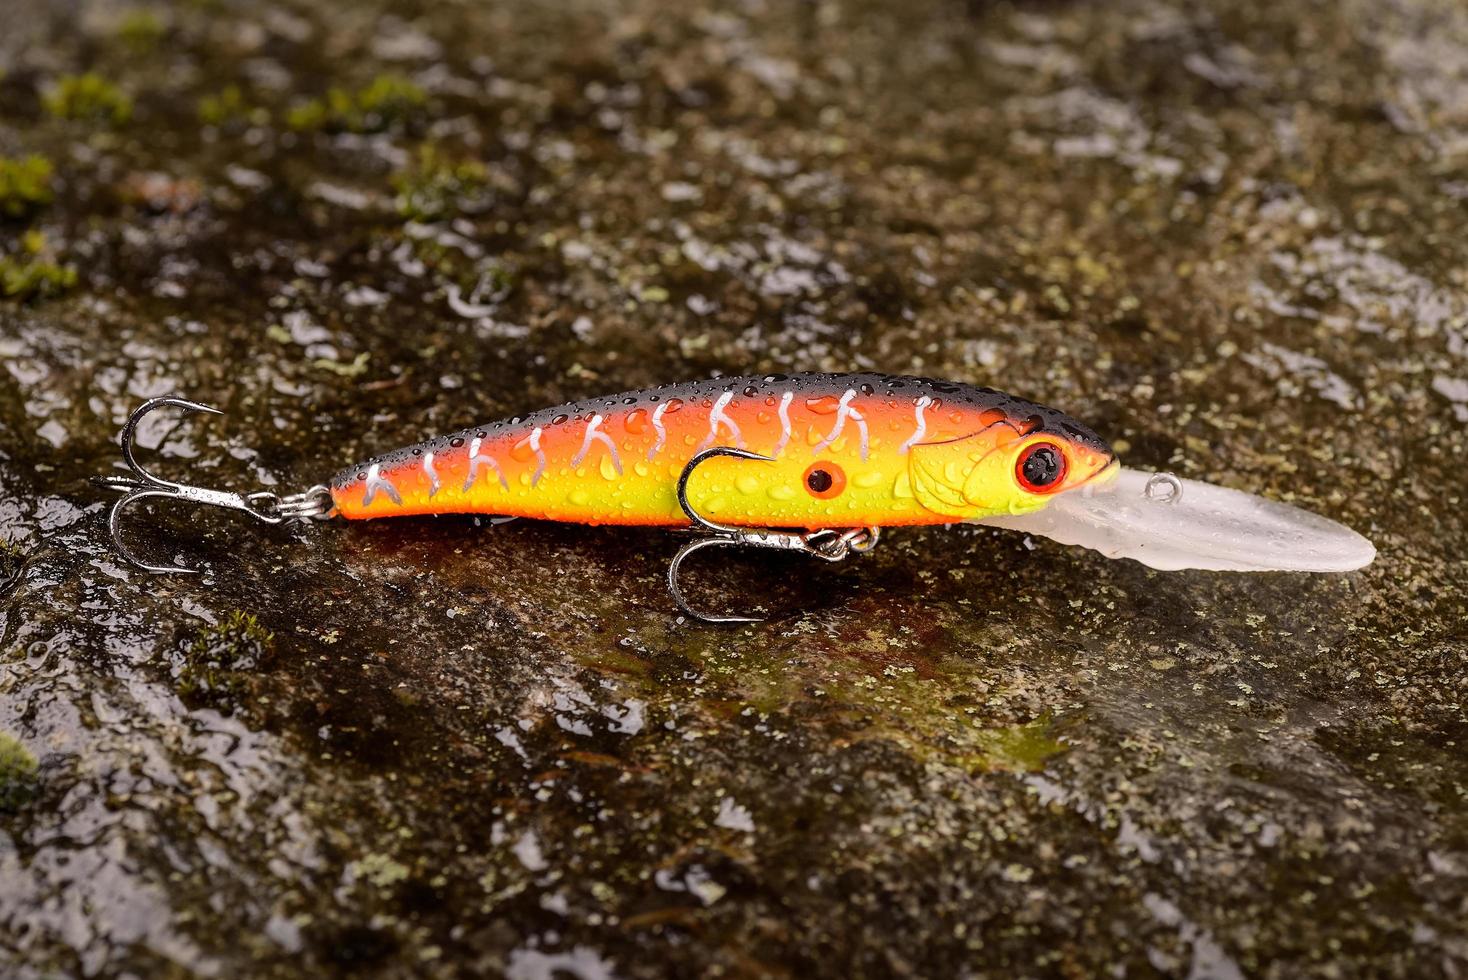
<point>270,508</point>
<point>829,544</point>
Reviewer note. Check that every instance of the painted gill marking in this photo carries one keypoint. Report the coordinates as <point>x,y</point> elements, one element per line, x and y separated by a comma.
<point>477,460</point>
<point>716,417</point>
<point>375,482</point>
<point>657,424</point>
<point>539,456</point>
<point>843,412</point>
<point>922,425</point>
<point>432,475</point>
<point>601,437</point>
<point>784,424</point>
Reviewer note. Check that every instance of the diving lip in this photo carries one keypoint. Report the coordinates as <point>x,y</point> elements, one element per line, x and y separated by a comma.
<point>1100,477</point>
<point>1201,526</point>
<point>1104,476</point>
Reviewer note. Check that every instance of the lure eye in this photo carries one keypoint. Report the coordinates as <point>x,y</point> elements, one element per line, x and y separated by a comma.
<point>1041,468</point>
<point>824,480</point>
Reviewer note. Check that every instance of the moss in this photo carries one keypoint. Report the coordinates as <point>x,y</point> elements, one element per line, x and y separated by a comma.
<point>88,97</point>
<point>216,663</point>
<point>1019,748</point>
<point>25,185</point>
<point>437,187</point>
<point>225,106</point>
<point>33,274</point>
<point>18,769</point>
<point>141,29</point>
<point>386,101</point>
<point>12,563</point>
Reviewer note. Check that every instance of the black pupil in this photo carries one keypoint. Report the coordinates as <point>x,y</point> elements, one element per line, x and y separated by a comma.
<point>819,481</point>
<point>1042,467</point>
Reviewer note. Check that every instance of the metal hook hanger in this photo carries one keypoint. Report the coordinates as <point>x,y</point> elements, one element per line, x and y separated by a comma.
<point>830,544</point>
<point>264,506</point>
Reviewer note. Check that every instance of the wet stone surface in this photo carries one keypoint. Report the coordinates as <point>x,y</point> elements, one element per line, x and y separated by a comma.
<point>1233,238</point>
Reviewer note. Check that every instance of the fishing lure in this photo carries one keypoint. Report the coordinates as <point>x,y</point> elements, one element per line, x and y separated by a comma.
<point>813,463</point>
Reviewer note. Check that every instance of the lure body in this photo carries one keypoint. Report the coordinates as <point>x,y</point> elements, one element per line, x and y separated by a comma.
<point>810,463</point>
<point>845,450</point>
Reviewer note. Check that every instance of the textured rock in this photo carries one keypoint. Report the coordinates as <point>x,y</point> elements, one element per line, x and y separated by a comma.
<point>1233,240</point>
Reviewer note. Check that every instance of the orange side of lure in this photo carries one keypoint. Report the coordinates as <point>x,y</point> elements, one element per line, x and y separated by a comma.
<point>845,450</point>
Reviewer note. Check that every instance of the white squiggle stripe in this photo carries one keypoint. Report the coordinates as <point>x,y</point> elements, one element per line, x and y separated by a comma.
<point>476,461</point>
<point>784,424</point>
<point>601,437</point>
<point>539,455</point>
<point>432,475</point>
<point>375,482</point>
<point>922,425</point>
<point>717,417</point>
<point>657,425</point>
<point>843,412</point>
<point>861,426</point>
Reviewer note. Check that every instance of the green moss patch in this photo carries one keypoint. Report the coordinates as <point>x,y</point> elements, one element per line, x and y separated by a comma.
<point>218,662</point>
<point>225,106</point>
<point>141,30</point>
<point>89,98</point>
<point>25,185</point>
<point>33,274</point>
<point>386,101</point>
<point>18,768</point>
<point>437,187</point>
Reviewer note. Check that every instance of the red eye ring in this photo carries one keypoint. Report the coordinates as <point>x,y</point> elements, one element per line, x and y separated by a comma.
<point>1041,468</point>
<point>824,480</point>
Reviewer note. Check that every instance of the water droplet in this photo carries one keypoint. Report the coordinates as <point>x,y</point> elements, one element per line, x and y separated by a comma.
<point>902,486</point>
<point>823,405</point>
<point>868,479</point>
<point>636,421</point>
<point>781,492</point>
<point>580,497</point>
<point>608,467</point>
<point>748,483</point>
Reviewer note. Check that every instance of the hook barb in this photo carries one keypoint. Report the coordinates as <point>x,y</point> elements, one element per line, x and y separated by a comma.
<point>828,544</point>
<point>267,507</point>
